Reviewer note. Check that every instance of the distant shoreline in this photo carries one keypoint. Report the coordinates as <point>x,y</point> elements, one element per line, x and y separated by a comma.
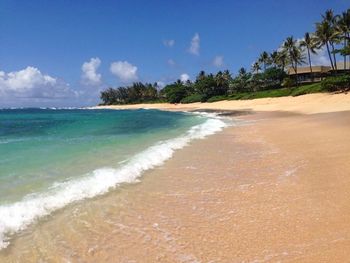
<point>306,104</point>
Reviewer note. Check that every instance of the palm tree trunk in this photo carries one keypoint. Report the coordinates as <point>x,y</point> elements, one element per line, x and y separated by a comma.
<point>295,68</point>
<point>308,53</point>
<point>296,73</point>
<point>348,38</point>
<point>312,75</point>
<point>334,58</point>
<point>345,42</point>
<point>329,55</point>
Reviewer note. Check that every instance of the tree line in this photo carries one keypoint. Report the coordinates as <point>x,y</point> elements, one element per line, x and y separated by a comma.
<point>136,93</point>
<point>332,33</point>
<point>268,72</point>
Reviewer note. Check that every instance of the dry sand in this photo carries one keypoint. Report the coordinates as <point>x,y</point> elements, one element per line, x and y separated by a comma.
<point>274,190</point>
<point>307,104</point>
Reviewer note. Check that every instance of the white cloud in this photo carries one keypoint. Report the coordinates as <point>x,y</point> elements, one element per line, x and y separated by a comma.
<point>218,61</point>
<point>160,84</point>
<point>124,71</point>
<point>184,77</point>
<point>171,62</point>
<point>89,75</point>
<point>195,45</point>
<point>321,58</point>
<point>169,42</point>
<point>31,83</point>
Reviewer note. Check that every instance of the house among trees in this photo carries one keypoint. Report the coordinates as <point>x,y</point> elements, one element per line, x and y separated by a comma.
<point>317,73</point>
<point>343,67</point>
<point>310,74</point>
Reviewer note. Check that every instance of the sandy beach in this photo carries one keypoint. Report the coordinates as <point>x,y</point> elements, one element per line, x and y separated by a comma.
<point>307,104</point>
<point>272,188</point>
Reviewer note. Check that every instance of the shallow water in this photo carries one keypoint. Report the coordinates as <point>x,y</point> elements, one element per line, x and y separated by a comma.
<point>52,158</point>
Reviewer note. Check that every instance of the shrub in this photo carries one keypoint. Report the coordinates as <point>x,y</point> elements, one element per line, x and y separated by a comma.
<point>217,98</point>
<point>288,82</point>
<point>336,83</point>
<point>192,98</point>
<point>175,92</point>
<point>307,89</point>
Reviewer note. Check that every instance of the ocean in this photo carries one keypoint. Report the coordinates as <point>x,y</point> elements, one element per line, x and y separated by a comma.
<point>50,158</point>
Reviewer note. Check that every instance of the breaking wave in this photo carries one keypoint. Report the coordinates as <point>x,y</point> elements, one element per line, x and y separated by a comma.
<point>17,216</point>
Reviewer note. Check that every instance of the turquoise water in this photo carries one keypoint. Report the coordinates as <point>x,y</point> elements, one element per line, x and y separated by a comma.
<point>51,158</point>
<point>39,147</point>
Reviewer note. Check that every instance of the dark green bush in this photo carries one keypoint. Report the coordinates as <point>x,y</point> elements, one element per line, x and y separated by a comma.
<point>192,98</point>
<point>336,83</point>
<point>288,82</point>
<point>217,98</point>
<point>175,92</point>
<point>307,89</point>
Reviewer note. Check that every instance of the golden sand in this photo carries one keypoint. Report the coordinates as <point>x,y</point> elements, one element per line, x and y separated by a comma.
<point>308,104</point>
<point>274,190</point>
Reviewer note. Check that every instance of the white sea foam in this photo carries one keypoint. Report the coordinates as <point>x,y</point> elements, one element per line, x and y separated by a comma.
<point>17,216</point>
<point>6,141</point>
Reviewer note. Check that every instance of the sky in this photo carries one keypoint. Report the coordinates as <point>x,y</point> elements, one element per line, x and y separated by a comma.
<point>63,53</point>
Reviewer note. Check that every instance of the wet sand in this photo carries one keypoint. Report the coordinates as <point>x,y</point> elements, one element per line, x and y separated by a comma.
<point>275,189</point>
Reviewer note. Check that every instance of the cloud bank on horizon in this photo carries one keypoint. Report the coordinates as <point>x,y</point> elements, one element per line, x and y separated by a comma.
<point>31,85</point>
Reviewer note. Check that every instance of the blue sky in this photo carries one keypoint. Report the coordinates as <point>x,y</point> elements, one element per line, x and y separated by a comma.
<point>147,40</point>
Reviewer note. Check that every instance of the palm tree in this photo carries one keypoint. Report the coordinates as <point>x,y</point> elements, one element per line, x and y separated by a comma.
<point>309,43</point>
<point>201,75</point>
<point>264,59</point>
<point>332,22</point>
<point>274,58</point>
<point>288,45</point>
<point>220,79</point>
<point>294,53</point>
<point>242,71</point>
<point>323,36</point>
<point>343,29</point>
<point>227,74</point>
<point>256,67</point>
<point>279,58</point>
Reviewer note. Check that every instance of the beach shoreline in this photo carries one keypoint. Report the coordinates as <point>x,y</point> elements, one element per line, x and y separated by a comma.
<point>241,194</point>
<point>305,104</point>
<point>272,189</point>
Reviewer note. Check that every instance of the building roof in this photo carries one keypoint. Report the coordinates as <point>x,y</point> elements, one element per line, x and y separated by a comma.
<point>340,65</point>
<point>306,70</point>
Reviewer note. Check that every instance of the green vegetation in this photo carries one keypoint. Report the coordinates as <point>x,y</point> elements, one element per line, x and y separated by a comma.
<point>175,92</point>
<point>336,83</point>
<point>282,92</point>
<point>192,98</point>
<point>136,93</point>
<point>267,78</point>
<point>307,89</point>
